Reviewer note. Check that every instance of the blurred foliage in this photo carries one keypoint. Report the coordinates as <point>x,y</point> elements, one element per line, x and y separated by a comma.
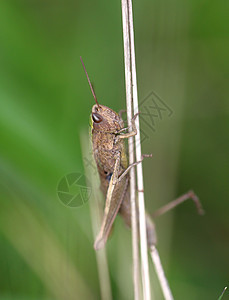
<point>46,249</point>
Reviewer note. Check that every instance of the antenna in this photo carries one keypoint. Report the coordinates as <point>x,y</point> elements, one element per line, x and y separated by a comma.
<point>88,79</point>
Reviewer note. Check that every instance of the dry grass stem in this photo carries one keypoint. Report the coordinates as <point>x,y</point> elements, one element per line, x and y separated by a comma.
<point>160,273</point>
<point>131,92</point>
<point>134,225</point>
<point>141,201</point>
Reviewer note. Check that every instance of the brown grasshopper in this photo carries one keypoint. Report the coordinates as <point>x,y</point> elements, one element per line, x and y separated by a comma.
<point>110,156</point>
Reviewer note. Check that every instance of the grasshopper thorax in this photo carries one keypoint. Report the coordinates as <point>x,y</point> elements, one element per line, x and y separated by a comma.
<point>104,119</point>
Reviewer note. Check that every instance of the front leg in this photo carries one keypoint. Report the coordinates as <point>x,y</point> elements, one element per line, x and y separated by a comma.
<point>131,133</point>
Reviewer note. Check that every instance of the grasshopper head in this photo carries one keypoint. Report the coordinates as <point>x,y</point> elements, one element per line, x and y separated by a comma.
<point>105,119</point>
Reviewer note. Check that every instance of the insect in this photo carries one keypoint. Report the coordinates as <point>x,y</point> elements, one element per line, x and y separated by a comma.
<point>108,135</point>
<point>110,155</point>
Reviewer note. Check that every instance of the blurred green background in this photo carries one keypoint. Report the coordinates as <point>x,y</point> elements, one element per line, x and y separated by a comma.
<point>46,248</point>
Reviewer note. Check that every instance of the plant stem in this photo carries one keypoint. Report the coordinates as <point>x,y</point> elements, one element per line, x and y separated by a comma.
<point>96,219</point>
<point>141,201</point>
<point>160,273</point>
<point>131,93</point>
<point>128,79</point>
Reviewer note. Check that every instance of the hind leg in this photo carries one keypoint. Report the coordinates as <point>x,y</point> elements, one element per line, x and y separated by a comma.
<point>189,195</point>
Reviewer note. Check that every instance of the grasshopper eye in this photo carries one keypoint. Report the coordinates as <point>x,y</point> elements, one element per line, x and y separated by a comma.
<point>96,118</point>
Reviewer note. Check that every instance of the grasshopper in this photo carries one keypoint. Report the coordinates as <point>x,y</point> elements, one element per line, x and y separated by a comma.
<point>108,141</point>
